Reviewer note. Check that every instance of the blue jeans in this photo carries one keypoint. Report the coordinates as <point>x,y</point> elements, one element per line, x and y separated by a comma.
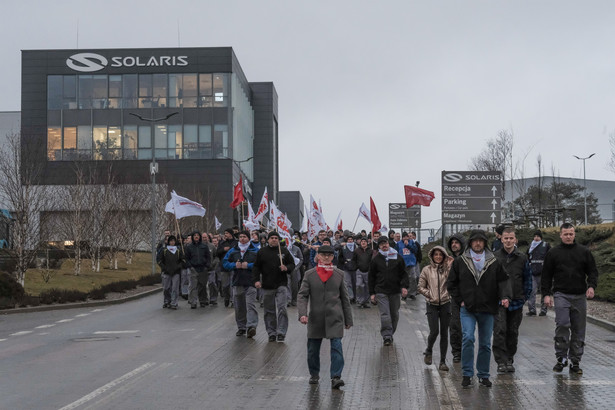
<point>485,330</point>
<point>337,357</point>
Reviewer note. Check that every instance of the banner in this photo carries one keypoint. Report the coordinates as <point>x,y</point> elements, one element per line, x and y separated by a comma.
<point>263,207</point>
<point>417,196</point>
<point>183,207</point>
<point>237,194</point>
<point>376,224</point>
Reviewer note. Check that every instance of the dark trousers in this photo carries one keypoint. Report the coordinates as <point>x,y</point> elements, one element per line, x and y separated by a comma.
<point>438,318</point>
<point>506,334</point>
<point>455,330</point>
<point>570,323</point>
<point>389,313</point>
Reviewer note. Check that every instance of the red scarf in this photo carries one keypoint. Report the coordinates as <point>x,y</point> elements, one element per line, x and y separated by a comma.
<point>324,271</point>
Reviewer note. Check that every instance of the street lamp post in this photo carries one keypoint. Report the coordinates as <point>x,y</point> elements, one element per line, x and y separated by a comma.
<point>153,169</point>
<point>584,184</point>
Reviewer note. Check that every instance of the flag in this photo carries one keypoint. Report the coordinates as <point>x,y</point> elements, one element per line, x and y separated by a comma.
<point>364,212</point>
<point>376,224</point>
<point>384,229</point>
<point>183,207</point>
<point>263,207</point>
<point>417,196</point>
<point>218,224</point>
<point>250,212</point>
<point>237,194</point>
<point>338,222</point>
<point>311,225</point>
<point>317,216</point>
<point>252,226</point>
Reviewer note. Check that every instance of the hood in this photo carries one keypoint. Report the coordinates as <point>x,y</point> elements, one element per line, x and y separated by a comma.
<point>441,249</point>
<point>200,237</point>
<point>460,238</point>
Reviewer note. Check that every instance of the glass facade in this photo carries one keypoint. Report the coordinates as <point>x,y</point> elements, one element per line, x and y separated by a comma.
<point>88,117</point>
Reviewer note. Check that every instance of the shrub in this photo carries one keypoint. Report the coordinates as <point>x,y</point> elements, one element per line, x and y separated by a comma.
<point>9,287</point>
<point>149,280</point>
<point>62,296</point>
<point>97,294</point>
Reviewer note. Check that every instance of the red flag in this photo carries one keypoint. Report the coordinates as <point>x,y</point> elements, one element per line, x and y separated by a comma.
<point>374,215</point>
<point>417,196</point>
<point>237,194</point>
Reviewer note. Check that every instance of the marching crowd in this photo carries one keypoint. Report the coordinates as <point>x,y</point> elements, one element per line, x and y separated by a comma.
<point>469,286</point>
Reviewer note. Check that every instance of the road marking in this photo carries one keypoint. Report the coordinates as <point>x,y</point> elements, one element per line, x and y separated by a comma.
<point>107,386</point>
<point>64,320</point>
<point>44,326</point>
<point>98,310</point>
<point>25,332</point>
<point>83,315</point>
<point>111,332</point>
<point>186,330</point>
<point>43,333</point>
<point>2,340</point>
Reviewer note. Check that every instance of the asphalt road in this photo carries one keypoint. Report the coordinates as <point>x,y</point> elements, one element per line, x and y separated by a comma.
<point>139,356</point>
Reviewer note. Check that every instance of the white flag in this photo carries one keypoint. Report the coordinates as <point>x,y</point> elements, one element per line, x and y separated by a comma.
<point>364,212</point>
<point>183,207</point>
<point>384,229</point>
<point>218,224</point>
<point>263,207</point>
<point>250,213</point>
<point>252,226</point>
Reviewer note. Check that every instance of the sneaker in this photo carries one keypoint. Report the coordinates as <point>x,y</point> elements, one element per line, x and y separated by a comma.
<point>366,306</point>
<point>240,332</point>
<point>559,366</point>
<point>542,313</point>
<point>443,367</point>
<point>226,302</point>
<point>484,382</point>
<point>251,332</point>
<point>502,368</point>
<point>388,342</point>
<point>213,303</point>
<point>193,306</point>
<point>314,379</point>
<point>203,305</point>
<point>272,338</point>
<point>575,369</point>
<point>530,313</point>
<point>457,359</point>
<point>427,358</point>
<point>165,305</point>
<point>466,382</point>
<point>336,383</point>
<point>174,307</point>
<point>281,338</point>
<point>509,367</point>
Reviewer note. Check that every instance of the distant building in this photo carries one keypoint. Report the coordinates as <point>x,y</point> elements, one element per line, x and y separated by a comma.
<point>292,203</point>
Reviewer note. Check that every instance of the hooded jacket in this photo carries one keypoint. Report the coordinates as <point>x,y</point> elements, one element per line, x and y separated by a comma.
<point>408,252</point>
<point>461,240</point>
<point>345,259</point>
<point>242,277</point>
<point>481,291</point>
<point>170,263</point>
<point>197,254</point>
<point>433,280</point>
<point>362,258</point>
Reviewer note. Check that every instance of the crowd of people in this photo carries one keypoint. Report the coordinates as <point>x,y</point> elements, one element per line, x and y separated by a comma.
<point>469,286</point>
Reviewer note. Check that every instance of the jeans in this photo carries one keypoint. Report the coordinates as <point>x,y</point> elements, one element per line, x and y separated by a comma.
<point>389,313</point>
<point>531,303</point>
<point>275,299</point>
<point>362,289</point>
<point>337,357</point>
<point>469,321</point>
<point>570,322</point>
<point>438,318</point>
<point>506,334</point>
<point>244,303</point>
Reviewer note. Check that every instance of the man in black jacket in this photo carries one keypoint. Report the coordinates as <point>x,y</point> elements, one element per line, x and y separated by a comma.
<point>569,277</point>
<point>456,244</point>
<point>270,273</point>
<point>387,279</point>
<point>362,257</point>
<point>198,259</point>
<point>478,283</point>
<point>536,254</point>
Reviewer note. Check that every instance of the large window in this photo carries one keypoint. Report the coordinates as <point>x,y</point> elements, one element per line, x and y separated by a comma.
<point>54,143</point>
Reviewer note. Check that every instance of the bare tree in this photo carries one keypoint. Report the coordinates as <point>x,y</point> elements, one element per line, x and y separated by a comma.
<point>100,204</point>
<point>20,170</point>
<point>497,155</point>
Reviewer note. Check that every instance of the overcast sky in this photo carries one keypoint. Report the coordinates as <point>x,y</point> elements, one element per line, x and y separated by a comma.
<point>375,95</point>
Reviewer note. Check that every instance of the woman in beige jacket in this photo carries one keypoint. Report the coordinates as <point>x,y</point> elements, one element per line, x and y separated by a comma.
<point>432,285</point>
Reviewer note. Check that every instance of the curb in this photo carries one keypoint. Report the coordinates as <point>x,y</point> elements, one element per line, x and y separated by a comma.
<point>81,304</point>
<point>605,324</point>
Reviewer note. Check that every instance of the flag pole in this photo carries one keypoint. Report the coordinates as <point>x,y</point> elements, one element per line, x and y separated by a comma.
<point>279,246</point>
<point>179,233</point>
<point>355,222</point>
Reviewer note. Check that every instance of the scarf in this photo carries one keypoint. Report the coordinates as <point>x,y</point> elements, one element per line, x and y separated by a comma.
<point>172,249</point>
<point>350,246</point>
<point>324,271</point>
<point>479,260</point>
<point>391,254</point>
<point>243,247</point>
<point>533,245</point>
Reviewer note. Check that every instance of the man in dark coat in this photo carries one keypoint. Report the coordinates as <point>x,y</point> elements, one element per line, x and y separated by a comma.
<point>171,259</point>
<point>329,313</point>
<point>270,272</point>
<point>478,283</point>
<point>387,279</point>
<point>456,244</point>
<point>198,259</point>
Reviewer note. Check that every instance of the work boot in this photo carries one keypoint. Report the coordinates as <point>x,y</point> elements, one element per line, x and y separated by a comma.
<point>484,382</point>
<point>281,338</point>
<point>561,363</point>
<point>502,368</point>
<point>443,367</point>
<point>466,382</point>
<point>531,313</point>
<point>575,369</point>
<point>457,359</point>
<point>336,382</point>
<point>427,358</point>
<point>251,332</point>
<point>509,367</point>
<point>314,379</point>
<point>542,313</point>
<point>240,332</point>
<point>272,338</point>
<point>388,342</point>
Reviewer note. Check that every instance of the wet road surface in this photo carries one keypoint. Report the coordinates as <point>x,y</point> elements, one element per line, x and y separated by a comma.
<point>140,356</point>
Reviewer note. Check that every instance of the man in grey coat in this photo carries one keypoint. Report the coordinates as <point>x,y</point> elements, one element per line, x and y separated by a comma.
<point>329,314</point>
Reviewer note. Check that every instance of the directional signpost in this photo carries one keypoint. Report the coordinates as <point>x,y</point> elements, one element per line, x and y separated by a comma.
<point>471,197</point>
<point>401,217</point>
